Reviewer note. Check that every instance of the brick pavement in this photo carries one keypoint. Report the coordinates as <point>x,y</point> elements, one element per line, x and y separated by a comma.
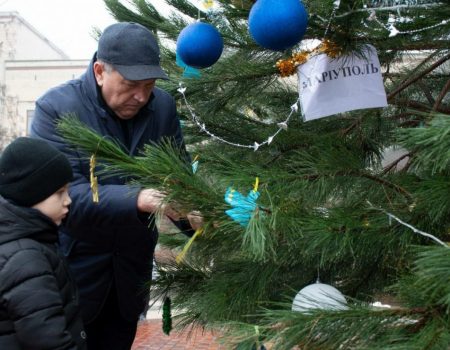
<point>151,337</point>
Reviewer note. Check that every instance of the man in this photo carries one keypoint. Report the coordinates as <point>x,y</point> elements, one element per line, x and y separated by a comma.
<point>110,244</point>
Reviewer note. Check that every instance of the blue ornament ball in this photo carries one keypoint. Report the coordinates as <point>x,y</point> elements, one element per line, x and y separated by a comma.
<point>199,45</point>
<point>277,25</point>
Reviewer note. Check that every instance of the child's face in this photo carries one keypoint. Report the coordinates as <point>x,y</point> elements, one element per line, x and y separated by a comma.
<point>56,206</point>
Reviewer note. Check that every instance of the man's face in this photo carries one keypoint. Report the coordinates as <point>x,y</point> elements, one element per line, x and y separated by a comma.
<point>124,97</point>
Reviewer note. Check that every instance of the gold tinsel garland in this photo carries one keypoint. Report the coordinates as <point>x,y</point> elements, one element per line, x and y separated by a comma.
<point>287,67</point>
<point>93,179</point>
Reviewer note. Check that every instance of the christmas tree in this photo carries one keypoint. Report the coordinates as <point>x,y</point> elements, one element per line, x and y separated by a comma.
<point>354,203</point>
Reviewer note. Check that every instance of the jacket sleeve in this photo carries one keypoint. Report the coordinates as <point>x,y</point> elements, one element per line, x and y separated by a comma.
<point>118,202</point>
<point>33,302</point>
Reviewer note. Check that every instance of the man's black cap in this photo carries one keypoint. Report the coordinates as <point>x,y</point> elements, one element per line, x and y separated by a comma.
<point>132,50</point>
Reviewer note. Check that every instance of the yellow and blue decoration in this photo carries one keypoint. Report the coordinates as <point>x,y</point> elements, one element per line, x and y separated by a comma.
<point>188,72</point>
<point>195,164</point>
<point>277,25</point>
<point>207,4</point>
<point>243,206</point>
<point>242,211</point>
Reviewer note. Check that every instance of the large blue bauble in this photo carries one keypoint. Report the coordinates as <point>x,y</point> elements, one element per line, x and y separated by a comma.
<point>199,45</point>
<point>277,25</point>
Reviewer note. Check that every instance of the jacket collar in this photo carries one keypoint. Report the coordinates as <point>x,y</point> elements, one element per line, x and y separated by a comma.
<point>22,222</point>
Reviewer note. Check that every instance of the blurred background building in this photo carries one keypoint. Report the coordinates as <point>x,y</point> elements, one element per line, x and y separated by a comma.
<point>30,64</point>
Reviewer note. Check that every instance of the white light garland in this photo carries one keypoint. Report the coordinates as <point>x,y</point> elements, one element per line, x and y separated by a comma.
<point>387,8</point>
<point>255,146</point>
<point>392,216</point>
<point>390,25</point>
<point>394,31</point>
<point>336,5</point>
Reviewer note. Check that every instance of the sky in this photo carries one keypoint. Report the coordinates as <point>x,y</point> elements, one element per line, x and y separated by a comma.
<point>66,23</point>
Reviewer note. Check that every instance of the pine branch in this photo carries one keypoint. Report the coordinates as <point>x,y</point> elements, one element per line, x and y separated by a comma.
<point>441,96</point>
<point>430,145</point>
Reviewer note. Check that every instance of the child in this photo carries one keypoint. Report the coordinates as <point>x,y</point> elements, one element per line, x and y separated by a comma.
<point>38,299</point>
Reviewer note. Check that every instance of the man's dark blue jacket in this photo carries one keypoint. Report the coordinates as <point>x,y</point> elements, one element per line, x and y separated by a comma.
<point>108,241</point>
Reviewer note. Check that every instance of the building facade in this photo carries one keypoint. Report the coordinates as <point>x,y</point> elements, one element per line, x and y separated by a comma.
<point>29,65</point>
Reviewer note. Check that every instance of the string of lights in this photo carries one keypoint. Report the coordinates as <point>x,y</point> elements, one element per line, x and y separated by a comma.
<point>415,230</point>
<point>255,146</point>
<point>387,8</point>
<point>390,26</point>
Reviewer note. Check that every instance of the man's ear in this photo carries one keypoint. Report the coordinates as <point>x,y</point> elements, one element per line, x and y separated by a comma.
<point>99,70</point>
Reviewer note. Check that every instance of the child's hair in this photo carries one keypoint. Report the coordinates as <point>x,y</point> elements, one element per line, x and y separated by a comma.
<point>31,170</point>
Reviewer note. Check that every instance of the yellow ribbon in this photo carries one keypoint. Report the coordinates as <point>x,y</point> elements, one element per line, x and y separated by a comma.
<point>93,179</point>
<point>257,336</point>
<point>183,253</point>
<point>255,187</point>
<point>208,3</point>
<point>230,195</point>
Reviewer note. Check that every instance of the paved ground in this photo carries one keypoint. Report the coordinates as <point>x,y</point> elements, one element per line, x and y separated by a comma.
<point>151,337</point>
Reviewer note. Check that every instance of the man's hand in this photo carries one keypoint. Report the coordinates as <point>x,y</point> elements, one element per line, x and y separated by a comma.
<point>195,219</point>
<point>150,200</point>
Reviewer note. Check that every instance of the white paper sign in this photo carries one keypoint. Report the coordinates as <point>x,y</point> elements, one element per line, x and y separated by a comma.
<point>331,86</point>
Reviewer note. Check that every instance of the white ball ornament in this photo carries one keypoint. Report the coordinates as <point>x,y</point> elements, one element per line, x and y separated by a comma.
<point>199,45</point>
<point>319,296</point>
<point>277,25</point>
